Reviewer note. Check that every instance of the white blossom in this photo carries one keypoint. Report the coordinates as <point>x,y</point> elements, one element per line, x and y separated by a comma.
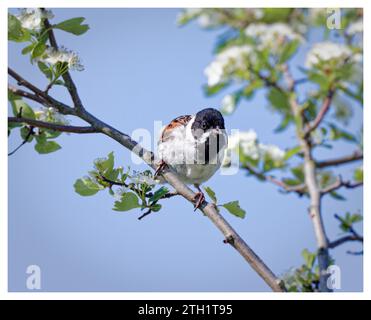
<point>32,18</point>
<point>355,27</point>
<point>53,56</point>
<point>226,62</point>
<point>247,142</point>
<point>272,36</point>
<point>326,51</point>
<point>273,151</point>
<point>143,177</point>
<point>228,104</point>
<point>51,115</point>
<point>119,192</point>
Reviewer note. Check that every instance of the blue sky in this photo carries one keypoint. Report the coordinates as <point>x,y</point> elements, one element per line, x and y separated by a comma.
<point>141,67</point>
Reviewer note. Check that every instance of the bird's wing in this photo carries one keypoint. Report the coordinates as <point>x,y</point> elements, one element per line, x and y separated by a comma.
<point>177,122</point>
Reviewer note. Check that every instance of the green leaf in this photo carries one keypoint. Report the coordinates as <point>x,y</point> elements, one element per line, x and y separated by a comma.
<point>320,79</point>
<point>47,147</point>
<point>105,166</point>
<point>15,31</point>
<point>73,26</point>
<point>309,258</point>
<point>284,123</point>
<point>29,48</point>
<point>25,131</point>
<point>38,50</point>
<point>22,108</point>
<point>337,196</point>
<point>358,174</point>
<point>291,152</point>
<point>289,50</point>
<point>210,192</point>
<point>159,194</point>
<point>278,99</point>
<point>209,91</point>
<point>336,133</point>
<point>354,218</point>
<point>234,208</point>
<point>128,201</point>
<point>45,70</point>
<point>298,173</point>
<point>86,187</point>
<point>156,207</point>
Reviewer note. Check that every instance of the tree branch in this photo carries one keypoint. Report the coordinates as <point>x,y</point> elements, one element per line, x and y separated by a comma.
<point>321,114</point>
<point>172,178</point>
<point>66,76</point>
<point>344,239</point>
<point>299,189</point>
<point>25,140</point>
<point>313,189</point>
<point>61,107</point>
<point>355,156</point>
<point>339,183</point>
<point>27,95</point>
<point>354,236</point>
<point>53,126</point>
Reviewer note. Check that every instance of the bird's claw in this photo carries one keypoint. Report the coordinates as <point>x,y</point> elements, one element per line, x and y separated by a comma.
<point>199,199</point>
<point>160,167</point>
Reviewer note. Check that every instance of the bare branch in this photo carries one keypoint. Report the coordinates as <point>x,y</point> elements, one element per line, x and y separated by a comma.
<point>321,114</point>
<point>299,189</point>
<point>350,227</point>
<point>344,239</point>
<point>61,107</point>
<point>27,95</point>
<point>339,183</point>
<point>355,156</point>
<point>25,140</point>
<point>53,126</point>
<point>353,236</point>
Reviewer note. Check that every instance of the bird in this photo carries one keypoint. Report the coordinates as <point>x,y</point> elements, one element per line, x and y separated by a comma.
<point>193,146</point>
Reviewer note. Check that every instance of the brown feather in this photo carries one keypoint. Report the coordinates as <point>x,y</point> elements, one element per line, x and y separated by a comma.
<point>177,122</point>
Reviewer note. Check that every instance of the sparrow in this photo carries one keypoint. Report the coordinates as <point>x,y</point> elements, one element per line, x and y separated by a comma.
<point>193,146</point>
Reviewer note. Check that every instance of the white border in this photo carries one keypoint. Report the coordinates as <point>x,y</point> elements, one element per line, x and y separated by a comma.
<point>173,295</point>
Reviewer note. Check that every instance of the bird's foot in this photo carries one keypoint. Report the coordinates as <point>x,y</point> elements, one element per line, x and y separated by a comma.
<point>199,199</point>
<point>162,165</point>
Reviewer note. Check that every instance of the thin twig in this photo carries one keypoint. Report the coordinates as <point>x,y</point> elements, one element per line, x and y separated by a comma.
<point>339,183</point>
<point>321,114</point>
<point>60,106</point>
<point>28,95</point>
<point>299,189</point>
<point>25,140</point>
<point>350,228</point>
<point>355,156</point>
<point>53,126</point>
<point>344,239</point>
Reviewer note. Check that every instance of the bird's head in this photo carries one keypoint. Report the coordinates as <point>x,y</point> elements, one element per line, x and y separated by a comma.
<point>208,122</point>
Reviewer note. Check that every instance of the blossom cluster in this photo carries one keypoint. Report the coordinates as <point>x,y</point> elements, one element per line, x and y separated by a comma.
<point>226,62</point>
<point>247,142</point>
<point>272,36</point>
<point>32,18</point>
<point>51,115</point>
<point>62,55</point>
<point>327,51</point>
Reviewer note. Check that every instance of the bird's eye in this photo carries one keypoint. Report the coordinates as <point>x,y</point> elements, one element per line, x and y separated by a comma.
<point>203,125</point>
